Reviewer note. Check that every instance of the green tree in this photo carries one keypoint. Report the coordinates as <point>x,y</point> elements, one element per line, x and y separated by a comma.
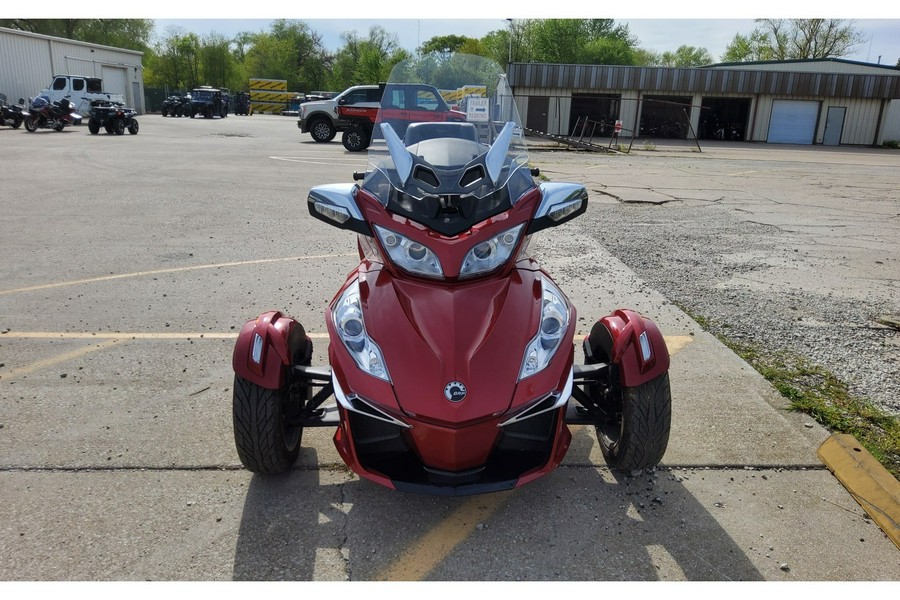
<point>753,47</point>
<point>365,60</point>
<point>290,51</point>
<point>444,43</point>
<point>568,41</point>
<point>175,61</point>
<point>686,56</point>
<point>218,66</point>
<point>133,34</point>
<point>795,39</point>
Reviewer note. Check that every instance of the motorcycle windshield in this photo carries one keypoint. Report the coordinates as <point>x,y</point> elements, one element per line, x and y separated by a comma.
<point>447,147</point>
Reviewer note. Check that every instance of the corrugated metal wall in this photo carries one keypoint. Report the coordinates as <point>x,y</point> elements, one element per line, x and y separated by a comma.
<point>24,65</point>
<point>859,122</point>
<point>704,80</point>
<point>864,93</point>
<point>28,63</point>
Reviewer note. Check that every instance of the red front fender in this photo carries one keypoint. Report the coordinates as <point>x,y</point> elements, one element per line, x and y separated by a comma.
<point>631,342</point>
<point>266,346</point>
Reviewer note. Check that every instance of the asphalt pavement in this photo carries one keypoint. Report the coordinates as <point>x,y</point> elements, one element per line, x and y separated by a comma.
<point>130,263</point>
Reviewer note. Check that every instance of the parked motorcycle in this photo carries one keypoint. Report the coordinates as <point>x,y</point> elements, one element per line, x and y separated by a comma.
<point>113,117</point>
<point>44,114</point>
<point>12,114</point>
<point>451,354</point>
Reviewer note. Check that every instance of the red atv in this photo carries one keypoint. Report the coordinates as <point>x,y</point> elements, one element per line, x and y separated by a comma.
<point>401,104</point>
<point>451,351</point>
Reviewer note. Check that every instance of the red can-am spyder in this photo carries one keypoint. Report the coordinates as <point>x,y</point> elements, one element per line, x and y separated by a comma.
<point>451,351</point>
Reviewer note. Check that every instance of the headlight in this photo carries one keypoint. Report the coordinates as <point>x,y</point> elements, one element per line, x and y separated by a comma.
<point>487,256</point>
<point>348,320</point>
<point>554,323</point>
<point>409,255</point>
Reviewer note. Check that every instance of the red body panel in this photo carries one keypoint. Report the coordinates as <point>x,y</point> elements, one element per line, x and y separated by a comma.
<point>275,331</point>
<point>375,114</point>
<point>435,333</point>
<point>626,327</point>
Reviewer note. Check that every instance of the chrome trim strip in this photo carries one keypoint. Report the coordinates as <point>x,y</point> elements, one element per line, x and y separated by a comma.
<point>347,402</point>
<point>560,399</point>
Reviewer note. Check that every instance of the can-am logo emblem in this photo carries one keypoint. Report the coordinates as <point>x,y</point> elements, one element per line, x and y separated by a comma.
<point>455,391</point>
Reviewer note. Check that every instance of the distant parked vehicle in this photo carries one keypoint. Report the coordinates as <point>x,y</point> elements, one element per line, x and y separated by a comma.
<point>209,102</point>
<point>80,91</point>
<point>12,114</point>
<point>113,117</point>
<point>242,104</point>
<point>43,114</point>
<point>321,119</point>
<point>176,105</point>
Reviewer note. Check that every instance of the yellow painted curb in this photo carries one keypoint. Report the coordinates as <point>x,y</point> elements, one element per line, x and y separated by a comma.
<point>870,484</point>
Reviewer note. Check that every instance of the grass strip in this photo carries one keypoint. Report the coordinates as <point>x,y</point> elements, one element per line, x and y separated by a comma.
<point>816,391</point>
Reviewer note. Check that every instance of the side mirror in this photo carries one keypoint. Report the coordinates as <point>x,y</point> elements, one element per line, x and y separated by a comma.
<point>336,205</point>
<point>560,202</point>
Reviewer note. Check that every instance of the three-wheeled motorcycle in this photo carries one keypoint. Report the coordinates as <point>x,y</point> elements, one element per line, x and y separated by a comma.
<point>451,363</point>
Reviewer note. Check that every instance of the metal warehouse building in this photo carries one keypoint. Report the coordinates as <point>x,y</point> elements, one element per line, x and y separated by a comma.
<point>29,61</point>
<point>829,101</point>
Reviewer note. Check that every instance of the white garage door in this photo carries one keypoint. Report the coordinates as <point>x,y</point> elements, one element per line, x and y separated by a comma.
<point>793,122</point>
<point>115,81</point>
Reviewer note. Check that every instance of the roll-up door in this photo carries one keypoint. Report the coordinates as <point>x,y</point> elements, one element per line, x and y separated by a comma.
<point>793,121</point>
<point>115,81</point>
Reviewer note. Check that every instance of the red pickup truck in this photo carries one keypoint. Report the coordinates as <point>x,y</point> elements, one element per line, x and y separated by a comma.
<point>401,104</point>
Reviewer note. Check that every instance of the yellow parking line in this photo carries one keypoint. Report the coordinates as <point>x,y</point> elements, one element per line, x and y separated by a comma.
<point>166,271</point>
<point>673,342</point>
<point>84,335</point>
<point>423,556</point>
<point>60,358</point>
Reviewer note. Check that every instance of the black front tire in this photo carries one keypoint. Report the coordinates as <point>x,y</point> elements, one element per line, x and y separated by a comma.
<point>31,124</point>
<point>17,123</point>
<point>93,126</point>
<point>133,127</point>
<point>118,126</point>
<point>637,435</point>
<point>265,444</point>
<point>322,131</point>
<point>355,139</point>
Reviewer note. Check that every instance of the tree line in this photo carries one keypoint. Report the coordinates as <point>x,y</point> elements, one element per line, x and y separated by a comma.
<point>293,51</point>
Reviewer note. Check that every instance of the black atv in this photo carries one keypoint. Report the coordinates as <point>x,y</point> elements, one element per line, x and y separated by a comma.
<point>176,105</point>
<point>113,117</point>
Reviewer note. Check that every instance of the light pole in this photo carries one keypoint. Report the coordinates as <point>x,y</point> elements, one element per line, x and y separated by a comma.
<point>509,59</point>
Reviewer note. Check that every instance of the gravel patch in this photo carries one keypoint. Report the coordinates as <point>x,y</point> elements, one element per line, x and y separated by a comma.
<point>789,256</point>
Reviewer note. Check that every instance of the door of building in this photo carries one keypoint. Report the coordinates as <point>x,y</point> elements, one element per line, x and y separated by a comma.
<point>834,125</point>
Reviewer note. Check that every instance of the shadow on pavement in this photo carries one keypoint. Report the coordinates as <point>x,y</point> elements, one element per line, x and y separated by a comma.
<point>581,523</point>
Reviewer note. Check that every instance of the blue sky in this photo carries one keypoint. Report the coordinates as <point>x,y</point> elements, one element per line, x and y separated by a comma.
<point>660,25</point>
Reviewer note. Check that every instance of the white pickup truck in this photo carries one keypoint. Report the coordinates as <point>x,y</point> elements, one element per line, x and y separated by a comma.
<point>80,91</point>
